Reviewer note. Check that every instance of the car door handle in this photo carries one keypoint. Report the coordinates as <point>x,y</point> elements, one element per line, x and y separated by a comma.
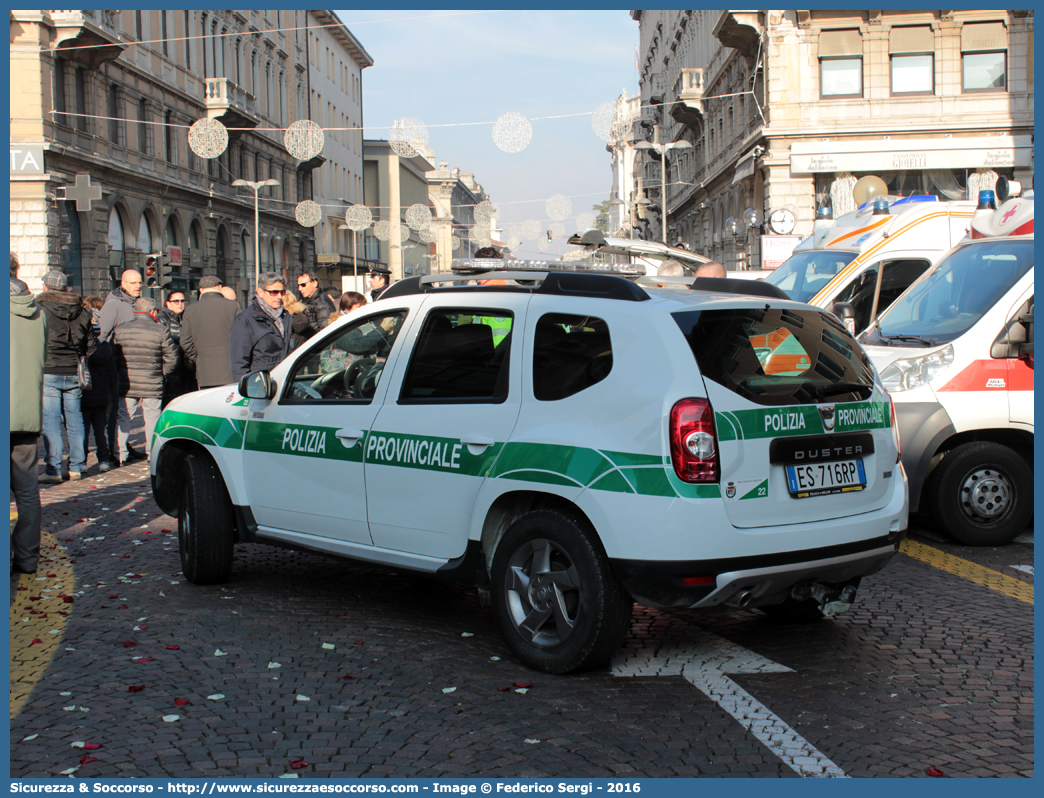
<point>476,443</point>
<point>349,437</point>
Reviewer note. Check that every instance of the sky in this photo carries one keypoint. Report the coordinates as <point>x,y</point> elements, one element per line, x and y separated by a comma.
<point>448,68</point>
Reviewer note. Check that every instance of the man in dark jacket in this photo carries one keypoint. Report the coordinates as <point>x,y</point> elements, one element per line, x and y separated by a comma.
<point>28,333</point>
<point>97,400</point>
<point>261,334</point>
<point>206,329</point>
<point>70,336</point>
<point>318,306</point>
<point>145,355</point>
<point>380,278</point>
<point>119,308</point>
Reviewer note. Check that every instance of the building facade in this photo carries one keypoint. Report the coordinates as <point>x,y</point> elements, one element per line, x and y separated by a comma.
<point>110,95</point>
<point>787,109</point>
<point>336,61</point>
<point>453,195</point>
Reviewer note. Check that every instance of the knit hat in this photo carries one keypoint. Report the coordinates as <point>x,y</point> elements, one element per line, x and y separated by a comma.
<point>56,280</point>
<point>209,282</point>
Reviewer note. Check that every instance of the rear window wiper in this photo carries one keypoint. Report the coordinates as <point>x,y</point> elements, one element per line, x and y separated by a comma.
<point>917,338</point>
<point>823,391</point>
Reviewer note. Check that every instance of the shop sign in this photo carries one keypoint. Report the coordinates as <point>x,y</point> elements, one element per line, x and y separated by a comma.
<point>776,249</point>
<point>27,159</point>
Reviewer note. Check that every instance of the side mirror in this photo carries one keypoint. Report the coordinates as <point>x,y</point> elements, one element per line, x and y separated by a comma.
<point>1016,340</point>
<point>258,385</point>
<point>846,312</point>
<point>1026,349</point>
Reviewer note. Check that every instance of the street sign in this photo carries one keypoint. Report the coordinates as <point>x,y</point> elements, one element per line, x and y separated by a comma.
<point>174,253</point>
<point>328,257</point>
<point>776,249</point>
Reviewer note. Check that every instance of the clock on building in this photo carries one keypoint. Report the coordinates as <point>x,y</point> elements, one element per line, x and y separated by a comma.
<point>782,221</point>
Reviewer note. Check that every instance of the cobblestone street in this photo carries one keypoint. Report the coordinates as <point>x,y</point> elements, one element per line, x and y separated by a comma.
<point>361,671</point>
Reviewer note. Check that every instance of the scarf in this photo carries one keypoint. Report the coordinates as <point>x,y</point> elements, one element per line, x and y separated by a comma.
<point>275,314</point>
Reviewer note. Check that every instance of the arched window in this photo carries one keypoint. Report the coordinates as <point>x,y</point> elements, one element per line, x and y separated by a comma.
<point>69,230</point>
<point>145,240</point>
<point>247,245</point>
<point>116,246</point>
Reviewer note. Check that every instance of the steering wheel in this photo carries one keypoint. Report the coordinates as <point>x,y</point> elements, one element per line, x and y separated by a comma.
<point>368,383</point>
<point>353,373</point>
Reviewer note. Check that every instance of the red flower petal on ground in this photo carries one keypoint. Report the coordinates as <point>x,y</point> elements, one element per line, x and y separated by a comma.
<point>298,764</point>
<point>135,688</point>
<point>164,530</point>
<point>125,557</point>
<point>35,598</point>
<point>357,643</point>
<point>87,614</point>
<point>122,607</point>
<point>23,588</point>
<point>35,641</point>
<point>136,576</point>
<point>503,689</point>
<point>114,595</point>
<point>349,676</point>
<point>86,760</point>
<point>180,702</point>
<point>91,746</point>
<point>63,613</point>
<point>34,612</point>
<point>50,575</point>
<point>128,643</point>
<point>935,773</point>
<point>173,648</point>
<point>141,660</point>
<point>523,684</point>
<point>68,599</point>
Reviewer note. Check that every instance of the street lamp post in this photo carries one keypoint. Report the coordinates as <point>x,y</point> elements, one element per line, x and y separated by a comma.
<point>662,150</point>
<point>257,185</point>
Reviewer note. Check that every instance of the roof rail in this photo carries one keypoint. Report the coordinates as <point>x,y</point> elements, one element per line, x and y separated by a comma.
<point>602,286</point>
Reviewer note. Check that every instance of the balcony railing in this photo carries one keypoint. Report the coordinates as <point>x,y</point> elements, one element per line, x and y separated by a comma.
<point>221,96</point>
<point>689,85</point>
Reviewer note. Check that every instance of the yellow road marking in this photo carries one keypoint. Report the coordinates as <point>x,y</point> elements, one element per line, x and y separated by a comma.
<point>987,577</point>
<point>30,662</point>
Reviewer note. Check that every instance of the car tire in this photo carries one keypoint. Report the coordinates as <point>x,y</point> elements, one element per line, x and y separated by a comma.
<point>558,603</point>
<point>982,494</point>
<point>793,611</point>
<point>205,523</point>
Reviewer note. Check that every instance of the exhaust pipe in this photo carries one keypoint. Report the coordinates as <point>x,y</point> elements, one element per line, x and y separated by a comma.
<point>743,598</point>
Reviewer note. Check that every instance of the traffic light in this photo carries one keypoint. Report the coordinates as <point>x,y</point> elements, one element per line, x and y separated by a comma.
<point>548,236</point>
<point>156,270</point>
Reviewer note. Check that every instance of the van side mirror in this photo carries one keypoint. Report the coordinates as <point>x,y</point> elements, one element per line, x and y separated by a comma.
<point>1026,349</point>
<point>1016,340</point>
<point>258,385</point>
<point>846,312</point>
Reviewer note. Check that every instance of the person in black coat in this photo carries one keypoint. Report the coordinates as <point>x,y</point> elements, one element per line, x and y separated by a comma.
<point>262,335</point>
<point>206,328</point>
<point>183,380</point>
<point>96,401</point>
<point>317,305</point>
<point>70,336</point>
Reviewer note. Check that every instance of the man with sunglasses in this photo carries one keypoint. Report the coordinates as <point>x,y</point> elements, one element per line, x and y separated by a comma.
<point>318,306</point>
<point>261,334</point>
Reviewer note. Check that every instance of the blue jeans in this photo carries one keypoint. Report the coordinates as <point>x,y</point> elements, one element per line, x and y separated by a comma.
<point>61,403</point>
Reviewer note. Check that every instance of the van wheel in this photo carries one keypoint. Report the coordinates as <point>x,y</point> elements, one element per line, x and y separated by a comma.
<point>205,523</point>
<point>982,494</point>
<point>558,603</point>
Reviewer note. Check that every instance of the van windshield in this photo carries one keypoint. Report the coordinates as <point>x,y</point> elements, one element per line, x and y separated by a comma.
<point>805,274</point>
<point>948,300</point>
<point>775,356</point>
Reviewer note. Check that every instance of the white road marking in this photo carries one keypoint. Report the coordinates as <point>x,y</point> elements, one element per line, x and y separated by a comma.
<point>1028,569</point>
<point>705,664</point>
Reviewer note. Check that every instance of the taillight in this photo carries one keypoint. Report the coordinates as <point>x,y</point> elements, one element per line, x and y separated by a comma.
<point>694,443</point>
<point>895,432</point>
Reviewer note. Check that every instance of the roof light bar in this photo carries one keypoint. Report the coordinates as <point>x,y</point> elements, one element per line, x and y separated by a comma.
<point>481,265</point>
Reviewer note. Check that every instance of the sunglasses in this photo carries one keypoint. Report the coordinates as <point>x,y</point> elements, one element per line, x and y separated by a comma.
<point>305,285</point>
<point>276,292</point>
<point>176,301</point>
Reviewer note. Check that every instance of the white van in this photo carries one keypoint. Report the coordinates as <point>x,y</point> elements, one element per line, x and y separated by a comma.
<point>956,354</point>
<point>867,258</point>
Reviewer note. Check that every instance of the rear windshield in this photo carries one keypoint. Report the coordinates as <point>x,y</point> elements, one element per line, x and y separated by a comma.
<point>805,274</point>
<point>948,300</point>
<point>778,356</point>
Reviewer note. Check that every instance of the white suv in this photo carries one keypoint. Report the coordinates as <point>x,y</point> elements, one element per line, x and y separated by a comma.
<point>568,442</point>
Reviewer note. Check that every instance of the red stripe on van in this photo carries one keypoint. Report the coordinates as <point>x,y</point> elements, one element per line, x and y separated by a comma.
<point>977,376</point>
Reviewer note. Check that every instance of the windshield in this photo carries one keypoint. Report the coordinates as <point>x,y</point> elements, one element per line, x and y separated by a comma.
<point>949,299</point>
<point>805,274</point>
<point>778,356</point>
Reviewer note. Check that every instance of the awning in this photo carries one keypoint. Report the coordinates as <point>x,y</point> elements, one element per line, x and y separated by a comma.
<point>744,167</point>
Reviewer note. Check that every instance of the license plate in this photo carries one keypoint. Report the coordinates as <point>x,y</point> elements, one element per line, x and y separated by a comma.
<point>822,479</point>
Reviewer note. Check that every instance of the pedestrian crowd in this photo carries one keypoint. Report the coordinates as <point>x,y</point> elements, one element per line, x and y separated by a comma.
<point>87,365</point>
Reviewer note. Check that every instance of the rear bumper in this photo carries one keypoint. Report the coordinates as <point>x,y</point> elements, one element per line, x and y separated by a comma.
<point>762,580</point>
